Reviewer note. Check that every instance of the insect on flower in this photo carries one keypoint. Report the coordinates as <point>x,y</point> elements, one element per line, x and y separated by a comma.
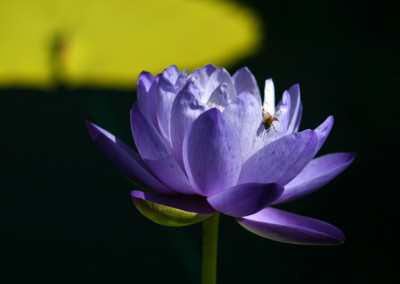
<point>268,119</point>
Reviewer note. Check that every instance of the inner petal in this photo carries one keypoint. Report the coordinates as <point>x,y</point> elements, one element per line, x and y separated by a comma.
<point>219,98</point>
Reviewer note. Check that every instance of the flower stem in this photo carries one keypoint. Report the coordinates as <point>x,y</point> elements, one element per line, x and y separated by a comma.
<point>210,245</point>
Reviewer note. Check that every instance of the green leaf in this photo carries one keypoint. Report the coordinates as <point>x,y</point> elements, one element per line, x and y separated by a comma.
<point>168,216</point>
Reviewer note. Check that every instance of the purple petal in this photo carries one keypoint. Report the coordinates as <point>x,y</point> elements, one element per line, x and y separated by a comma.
<point>208,69</point>
<point>153,91</point>
<point>244,114</point>
<point>156,154</point>
<point>219,98</point>
<point>145,80</point>
<point>211,153</point>
<point>185,109</point>
<point>269,96</point>
<point>125,159</point>
<point>200,77</point>
<point>279,128</point>
<point>218,77</point>
<point>281,160</point>
<point>171,74</point>
<point>147,96</point>
<point>295,109</point>
<point>181,81</point>
<point>322,132</point>
<point>315,175</point>
<point>165,97</point>
<point>244,81</point>
<point>190,203</point>
<point>287,227</point>
<point>245,199</point>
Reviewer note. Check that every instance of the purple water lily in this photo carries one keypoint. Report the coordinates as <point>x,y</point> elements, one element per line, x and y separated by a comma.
<point>208,143</point>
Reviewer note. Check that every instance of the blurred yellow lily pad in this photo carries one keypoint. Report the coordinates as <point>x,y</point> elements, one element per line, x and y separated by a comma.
<point>104,43</point>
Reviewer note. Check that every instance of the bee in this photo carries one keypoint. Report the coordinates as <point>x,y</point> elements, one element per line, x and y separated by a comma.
<point>268,119</point>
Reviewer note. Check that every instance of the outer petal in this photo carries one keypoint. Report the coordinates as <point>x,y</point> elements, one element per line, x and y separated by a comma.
<point>244,114</point>
<point>181,81</point>
<point>245,199</point>
<point>244,81</point>
<point>153,91</point>
<point>165,97</point>
<point>147,96</point>
<point>185,109</point>
<point>280,161</point>
<point>165,215</point>
<point>145,80</point>
<point>143,86</point>
<point>189,203</point>
<point>322,132</point>
<point>287,227</point>
<point>156,154</point>
<point>171,74</point>
<point>269,96</point>
<point>211,153</point>
<point>315,175</point>
<point>295,109</point>
<point>125,159</point>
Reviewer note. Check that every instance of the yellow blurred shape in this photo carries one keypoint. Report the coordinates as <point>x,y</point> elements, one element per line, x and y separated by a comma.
<point>108,43</point>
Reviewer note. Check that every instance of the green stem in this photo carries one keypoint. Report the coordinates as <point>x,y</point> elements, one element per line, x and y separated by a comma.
<point>210,245</point>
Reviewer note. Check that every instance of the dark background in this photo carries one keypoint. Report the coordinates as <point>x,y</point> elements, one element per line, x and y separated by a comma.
<point>67,216</point>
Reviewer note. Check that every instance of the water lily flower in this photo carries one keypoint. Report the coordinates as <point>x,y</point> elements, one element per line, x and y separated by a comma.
<point>207,143</point>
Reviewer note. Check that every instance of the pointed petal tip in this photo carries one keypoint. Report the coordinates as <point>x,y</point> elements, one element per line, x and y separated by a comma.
<point>351,156</point>
<point>295,89</point>
<point>322,132</point>
<point>315,175</point>
<point>95,131</point>
<point>282,226</point>
<point>209,65</point>
<point>246,68</point>
<point>145,79</point>
<point>247,72</point>
<point>214,112</point>
<point>269,83</point>
<point>87,123</point>
<point>330,119</point>
<point>89,127</point>
<point>173,66</point>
